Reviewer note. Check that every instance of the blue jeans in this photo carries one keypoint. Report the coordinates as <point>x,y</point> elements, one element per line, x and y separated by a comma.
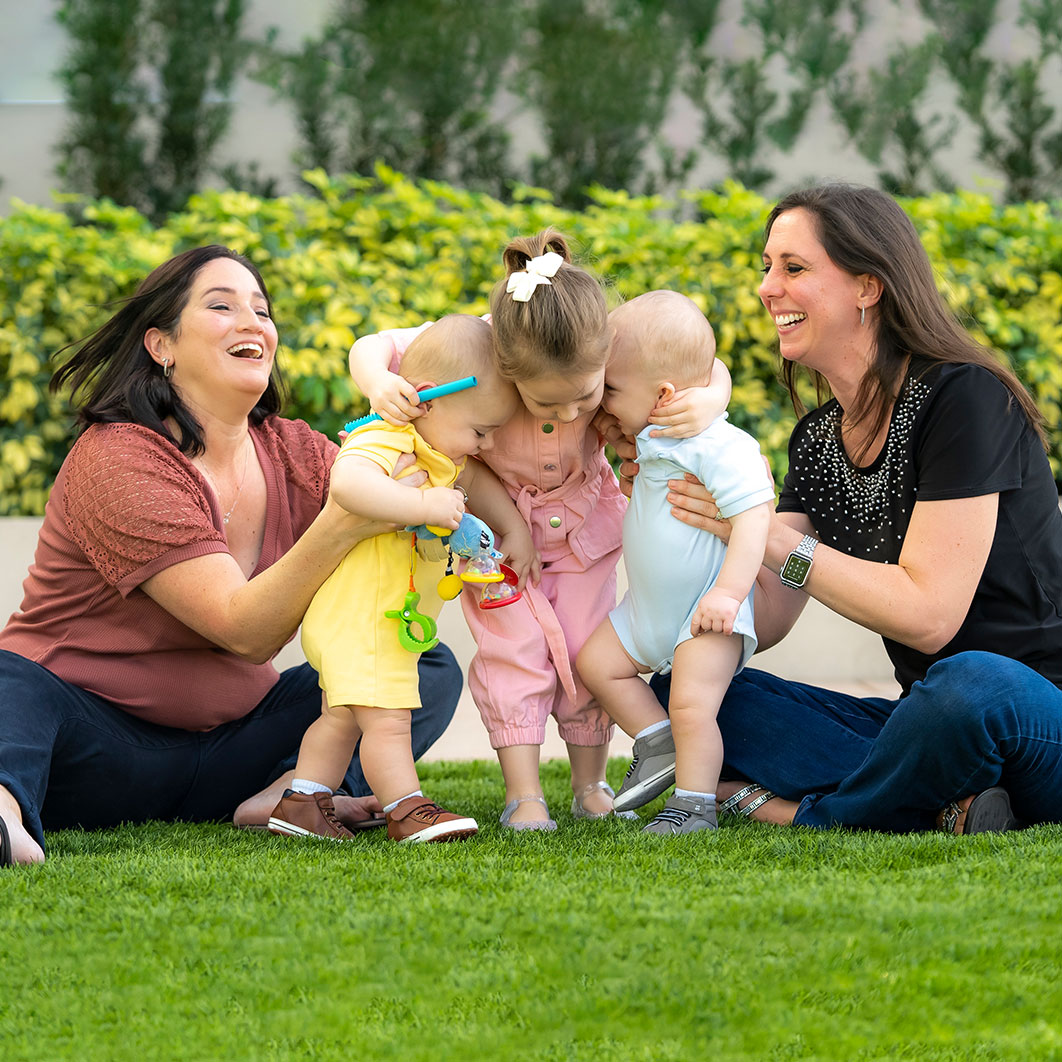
<point>71,758</point>
<point>976,720</point>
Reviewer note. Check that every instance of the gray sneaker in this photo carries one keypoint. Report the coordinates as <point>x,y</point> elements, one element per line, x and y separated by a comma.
<point>651,771</point>
<point>683,815</point>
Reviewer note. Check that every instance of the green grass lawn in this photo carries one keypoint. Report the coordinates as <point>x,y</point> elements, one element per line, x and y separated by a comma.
<point>594,944</point>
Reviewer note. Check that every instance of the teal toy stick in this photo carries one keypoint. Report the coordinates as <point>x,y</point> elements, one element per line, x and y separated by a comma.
<point>425,396</point>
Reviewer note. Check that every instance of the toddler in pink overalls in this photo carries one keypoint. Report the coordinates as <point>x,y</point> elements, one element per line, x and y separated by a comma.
<point>551,338</point>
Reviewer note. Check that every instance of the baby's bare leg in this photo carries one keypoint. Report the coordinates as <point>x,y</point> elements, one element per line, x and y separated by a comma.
<point>701,674</point>
<point>519,765</point>
<point>386,753</point>
<point>328,745</point>
<point>613,678</point>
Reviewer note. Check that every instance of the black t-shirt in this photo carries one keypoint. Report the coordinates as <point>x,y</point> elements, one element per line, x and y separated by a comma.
<point>956,432</point>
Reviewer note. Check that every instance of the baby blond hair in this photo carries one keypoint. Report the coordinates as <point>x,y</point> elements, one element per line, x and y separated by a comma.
<point>455,346</point>
<point>668,335</point>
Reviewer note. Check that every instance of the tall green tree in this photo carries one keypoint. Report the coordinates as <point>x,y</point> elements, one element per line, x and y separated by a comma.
<point>197,43</point>
<point>886,116</point>
<point>600,77</point>
<point>406,82</point>
<point>147,85</point>
<point>102,151</point>
<point>1009,101</point>
<point>753,104</point>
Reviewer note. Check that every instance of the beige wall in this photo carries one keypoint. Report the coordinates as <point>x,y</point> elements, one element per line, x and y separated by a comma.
<point>32,116</point>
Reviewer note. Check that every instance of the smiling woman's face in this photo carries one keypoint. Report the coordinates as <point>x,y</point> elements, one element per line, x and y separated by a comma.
<point>813,302</point>
<point>225,338</point>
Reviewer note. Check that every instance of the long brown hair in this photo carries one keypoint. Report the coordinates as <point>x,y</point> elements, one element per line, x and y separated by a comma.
<point>115,380</point>
<point>562,328</point>
<point>865,231</point>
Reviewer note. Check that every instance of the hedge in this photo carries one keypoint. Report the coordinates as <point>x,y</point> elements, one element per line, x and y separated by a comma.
<point>367,253</point>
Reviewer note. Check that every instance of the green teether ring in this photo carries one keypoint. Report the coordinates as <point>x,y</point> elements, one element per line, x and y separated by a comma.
<point>408,617</point>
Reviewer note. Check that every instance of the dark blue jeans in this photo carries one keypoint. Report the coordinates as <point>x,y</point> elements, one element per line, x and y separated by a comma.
<point>977,720</point>
<point>71,758</point>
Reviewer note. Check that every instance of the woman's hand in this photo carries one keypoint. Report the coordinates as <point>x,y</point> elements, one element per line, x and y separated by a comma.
<point>355,528</point>
<point>693,504</point>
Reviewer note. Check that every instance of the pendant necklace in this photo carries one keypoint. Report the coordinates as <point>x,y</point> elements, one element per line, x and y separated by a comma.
<point>236,499</point>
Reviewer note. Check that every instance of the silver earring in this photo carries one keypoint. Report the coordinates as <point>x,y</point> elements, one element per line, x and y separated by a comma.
<point>862,316</point>
<point>166,370</point>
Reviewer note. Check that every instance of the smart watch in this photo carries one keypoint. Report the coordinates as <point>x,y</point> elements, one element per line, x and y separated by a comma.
<point>797,565</point>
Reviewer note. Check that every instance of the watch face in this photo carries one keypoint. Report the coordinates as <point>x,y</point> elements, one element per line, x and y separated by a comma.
<point>795,569</point>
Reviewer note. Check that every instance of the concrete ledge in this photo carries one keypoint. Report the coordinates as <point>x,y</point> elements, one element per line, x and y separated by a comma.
<point>824,649</point>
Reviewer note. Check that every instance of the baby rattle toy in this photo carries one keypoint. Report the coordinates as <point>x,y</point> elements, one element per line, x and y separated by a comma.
<point>475,541</point>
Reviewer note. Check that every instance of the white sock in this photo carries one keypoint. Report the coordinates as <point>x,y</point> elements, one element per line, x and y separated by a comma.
<point>708,798</point>
<point>391,807</point>
<point>653,728</point>
<point>305,786</point>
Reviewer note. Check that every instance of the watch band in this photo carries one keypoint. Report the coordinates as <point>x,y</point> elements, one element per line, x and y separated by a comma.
<point>797,566</point>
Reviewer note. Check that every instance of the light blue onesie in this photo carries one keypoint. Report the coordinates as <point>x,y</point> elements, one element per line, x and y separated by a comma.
<point>670,565</point>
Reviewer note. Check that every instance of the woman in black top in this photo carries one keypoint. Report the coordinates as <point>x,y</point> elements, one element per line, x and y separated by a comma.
<point>919,502</point>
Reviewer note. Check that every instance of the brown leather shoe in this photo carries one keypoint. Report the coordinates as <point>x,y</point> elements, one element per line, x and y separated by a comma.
<point>416,820</point>
<point>308,815</point>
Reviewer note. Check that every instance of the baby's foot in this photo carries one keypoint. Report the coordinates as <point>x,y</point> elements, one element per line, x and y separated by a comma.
<point>595,801</point>
<point>528,812</point>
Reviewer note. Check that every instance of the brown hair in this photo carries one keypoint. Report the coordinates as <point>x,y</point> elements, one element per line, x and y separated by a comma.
<point>865,231</point>
<point>122,383</point>
<point>562,328</point>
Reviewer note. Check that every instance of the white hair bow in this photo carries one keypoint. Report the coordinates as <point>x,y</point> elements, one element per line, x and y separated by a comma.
<point>538,271</point>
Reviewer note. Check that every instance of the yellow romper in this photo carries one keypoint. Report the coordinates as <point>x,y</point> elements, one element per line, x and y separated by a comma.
<point>346,638</point>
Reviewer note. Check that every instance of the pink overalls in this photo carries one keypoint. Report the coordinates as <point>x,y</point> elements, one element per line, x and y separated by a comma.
<point>524,667</point>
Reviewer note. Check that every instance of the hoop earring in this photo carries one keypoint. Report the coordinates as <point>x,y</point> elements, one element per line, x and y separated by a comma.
<point>166,370</point>
<point>862,316</point>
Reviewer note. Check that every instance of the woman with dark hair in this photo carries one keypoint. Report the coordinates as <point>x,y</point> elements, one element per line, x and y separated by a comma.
<point>187,531</point>
<point>919,503</point>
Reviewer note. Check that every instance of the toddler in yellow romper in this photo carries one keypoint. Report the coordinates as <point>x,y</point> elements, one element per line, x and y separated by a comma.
<point>369,678</point>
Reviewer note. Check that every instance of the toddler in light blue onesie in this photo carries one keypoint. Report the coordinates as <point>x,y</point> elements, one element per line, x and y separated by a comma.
<point>689,605</point>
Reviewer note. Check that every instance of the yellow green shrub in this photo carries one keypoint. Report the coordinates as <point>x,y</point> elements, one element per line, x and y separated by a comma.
<point>374,252</point>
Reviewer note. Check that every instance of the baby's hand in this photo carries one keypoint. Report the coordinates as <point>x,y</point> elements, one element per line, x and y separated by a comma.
<point>521,555</point>
<point>394,398</point>
<point>443,507</point>
<point>685,414</point>
<point>716,612</point>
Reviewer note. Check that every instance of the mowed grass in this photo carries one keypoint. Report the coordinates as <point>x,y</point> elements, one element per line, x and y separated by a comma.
<point>595,943</point>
